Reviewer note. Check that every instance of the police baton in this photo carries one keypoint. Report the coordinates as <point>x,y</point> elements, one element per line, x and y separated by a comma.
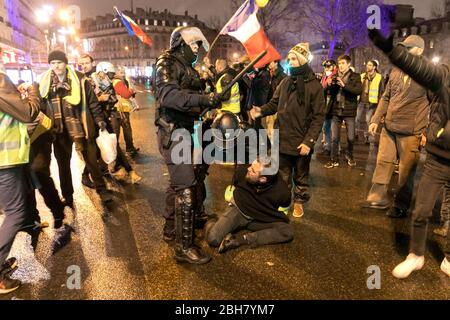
<point>237,78</point>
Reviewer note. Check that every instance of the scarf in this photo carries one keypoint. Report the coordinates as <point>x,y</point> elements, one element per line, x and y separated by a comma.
<point>63,99</point>
<point>297,81</point>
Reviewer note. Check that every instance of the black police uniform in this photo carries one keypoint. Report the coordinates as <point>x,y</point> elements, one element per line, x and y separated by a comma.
<point>179,104</point>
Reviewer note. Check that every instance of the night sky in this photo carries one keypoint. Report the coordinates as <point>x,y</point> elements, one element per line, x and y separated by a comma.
<point>206,9</point>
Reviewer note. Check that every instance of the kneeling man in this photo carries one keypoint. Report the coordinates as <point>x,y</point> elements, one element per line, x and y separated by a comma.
<point>256,205</point>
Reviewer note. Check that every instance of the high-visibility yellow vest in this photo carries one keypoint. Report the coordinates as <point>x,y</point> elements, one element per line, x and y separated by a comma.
<point>122,105</point>
<point>14,142</point>
<point>233,105</point>
<point>374,88</point>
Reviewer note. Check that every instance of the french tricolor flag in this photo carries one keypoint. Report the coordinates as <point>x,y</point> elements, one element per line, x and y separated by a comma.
<point>133,29</point>
<point>245,27</point>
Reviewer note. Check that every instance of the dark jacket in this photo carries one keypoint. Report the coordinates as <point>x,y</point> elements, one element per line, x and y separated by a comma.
<point>404,105</point>
<point>299,119</point>
<point>351,91</point>
<point>23,110</point>
<point>261,202</point>
<point>91,113</point>
<point>275,81</point>
<point>436,79</point>
<point>178,90</point>
<point>259,90</point>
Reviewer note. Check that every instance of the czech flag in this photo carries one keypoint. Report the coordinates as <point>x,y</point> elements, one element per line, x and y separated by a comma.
<point>133,29</point>
<point>245,27</point>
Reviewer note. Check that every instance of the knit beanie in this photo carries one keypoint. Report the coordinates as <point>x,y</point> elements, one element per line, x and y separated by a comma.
<point>302,52</point>
<point>57,55</point>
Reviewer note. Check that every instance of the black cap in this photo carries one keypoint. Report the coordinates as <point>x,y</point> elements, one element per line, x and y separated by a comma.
<point>57,55</point>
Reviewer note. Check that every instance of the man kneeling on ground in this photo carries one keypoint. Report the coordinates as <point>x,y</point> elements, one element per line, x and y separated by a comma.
<point>255,206</point>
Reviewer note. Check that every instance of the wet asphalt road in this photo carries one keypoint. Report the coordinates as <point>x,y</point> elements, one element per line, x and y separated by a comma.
<point>125,257</point>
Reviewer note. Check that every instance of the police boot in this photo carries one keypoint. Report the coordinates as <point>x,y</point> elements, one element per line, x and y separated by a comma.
<point>185,250</point>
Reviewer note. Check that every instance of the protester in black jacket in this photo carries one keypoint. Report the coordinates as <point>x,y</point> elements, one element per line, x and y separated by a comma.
<point>437,165</point>
<point>300,103</point>
<point>344,104</point>
<point>258,201</point>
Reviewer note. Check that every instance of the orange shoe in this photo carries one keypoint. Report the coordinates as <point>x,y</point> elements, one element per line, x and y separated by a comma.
<point>298,210</point>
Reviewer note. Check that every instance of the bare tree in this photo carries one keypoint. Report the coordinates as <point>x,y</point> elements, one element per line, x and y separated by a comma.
<point>339,21</point>
<point>440,8</point>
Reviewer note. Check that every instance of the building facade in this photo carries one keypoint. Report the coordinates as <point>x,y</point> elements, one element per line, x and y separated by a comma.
<point>21,41</point>
<point>435,32</point>
<point>106,39</point>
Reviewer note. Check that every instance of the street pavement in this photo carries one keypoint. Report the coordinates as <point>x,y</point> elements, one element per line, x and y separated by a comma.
<point>337,244</point>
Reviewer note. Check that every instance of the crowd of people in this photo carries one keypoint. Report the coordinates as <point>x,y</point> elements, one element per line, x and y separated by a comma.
<point>402,114</point>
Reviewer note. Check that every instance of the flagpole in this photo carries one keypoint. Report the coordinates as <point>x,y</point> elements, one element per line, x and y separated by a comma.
<point>220,33</point>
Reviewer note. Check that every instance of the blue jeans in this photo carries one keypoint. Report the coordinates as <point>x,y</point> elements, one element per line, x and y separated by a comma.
<point>326,131</point>
<point>368,109</point>
<point>336,135</point>
<point>17,202</point>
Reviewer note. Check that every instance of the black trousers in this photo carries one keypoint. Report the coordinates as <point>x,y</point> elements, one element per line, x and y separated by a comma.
<point>91,157</point>
<point>40,158</point>
<point>182,176</point>
<point>18,203</point>
<point>436,175</point>
<point>125,123</point>
<point>261,233</point>
<point>114,126</point>
<point>62,147</point>
<point>296,169</point>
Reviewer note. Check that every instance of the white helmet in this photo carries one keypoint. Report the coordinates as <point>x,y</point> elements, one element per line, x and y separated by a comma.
<point>105,67</point>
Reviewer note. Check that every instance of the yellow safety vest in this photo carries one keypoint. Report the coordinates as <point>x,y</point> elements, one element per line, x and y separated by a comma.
<point>14,142</point>
<point>122,105</point>
<point>374,88</point>
<point>233,105</point>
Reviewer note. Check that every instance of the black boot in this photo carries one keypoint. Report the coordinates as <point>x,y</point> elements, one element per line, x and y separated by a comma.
<point>169,231</point>
<point>185,251</point>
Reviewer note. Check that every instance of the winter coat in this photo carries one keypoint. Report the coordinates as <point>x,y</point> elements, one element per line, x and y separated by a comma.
<point>437,79</point>
<point>404,105</point>
<point>300,116</point>
<point>351,91</point>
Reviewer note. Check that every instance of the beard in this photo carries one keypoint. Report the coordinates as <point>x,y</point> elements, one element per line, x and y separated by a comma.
<point>251,180</point>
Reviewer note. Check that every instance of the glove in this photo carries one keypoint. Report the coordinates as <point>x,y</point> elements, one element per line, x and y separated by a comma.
<point>102,125</point>
<point>385,45</point>
<point>211,100</point>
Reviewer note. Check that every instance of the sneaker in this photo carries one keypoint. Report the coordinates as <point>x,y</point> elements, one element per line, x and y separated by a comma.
<point>298,210</point>
<point>442,230</point>
<point>8,285</point>
<point>397,213</point>
<point>120,175</point>
<point>8,267</point>
<point>445,266</point>
<point>228,243</point>
<point>332,164</point>
<point>135,178</point>
<point>86,181</point>
<point>132,153</point>
<point>412,263</point>
<point>68,202</point>
<point>351,162</point>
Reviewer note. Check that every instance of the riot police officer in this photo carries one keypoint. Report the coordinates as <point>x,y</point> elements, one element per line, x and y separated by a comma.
<point>179,104</point>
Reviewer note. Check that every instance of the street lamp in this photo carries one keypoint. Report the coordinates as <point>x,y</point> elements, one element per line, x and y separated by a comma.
<point>436,60</point>
<point>64,15</point>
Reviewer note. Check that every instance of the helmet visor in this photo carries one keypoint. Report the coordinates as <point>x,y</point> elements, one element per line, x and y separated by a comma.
<point>192,35</point>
